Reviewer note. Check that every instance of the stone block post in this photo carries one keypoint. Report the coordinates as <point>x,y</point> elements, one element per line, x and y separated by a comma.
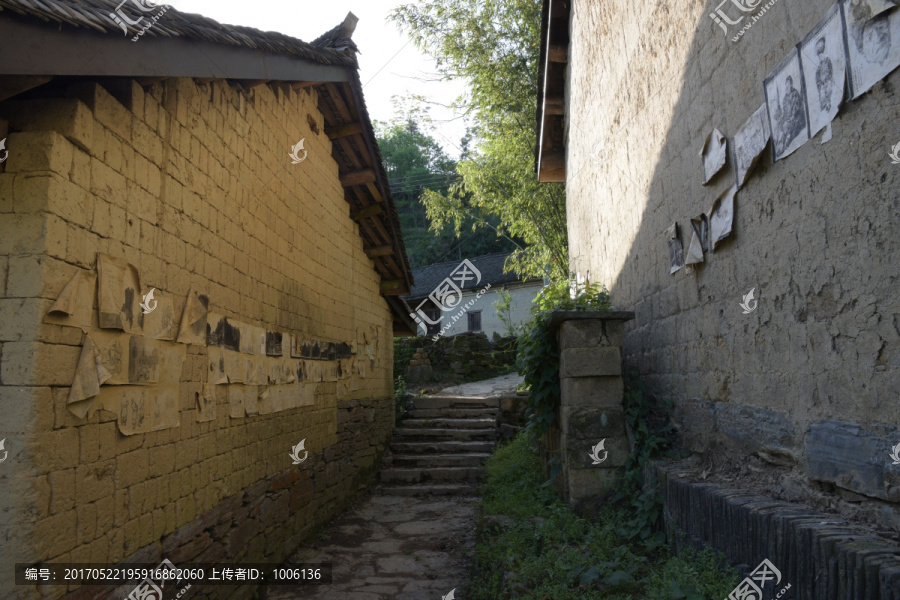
<point>591,393</point>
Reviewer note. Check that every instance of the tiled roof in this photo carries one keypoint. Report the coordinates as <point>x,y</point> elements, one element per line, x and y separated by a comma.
<point>95,15</point>
<point>490,266</point>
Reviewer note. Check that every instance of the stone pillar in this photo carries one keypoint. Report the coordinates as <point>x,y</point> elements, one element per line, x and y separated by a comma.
<point>591,393</point>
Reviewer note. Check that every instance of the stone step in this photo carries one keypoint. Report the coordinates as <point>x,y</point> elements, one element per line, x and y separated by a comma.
<point>475,423</point>
<point>440,447</point>
<point>452,413</point>
<point>422,402</point>
<point>470,459</point>
<point>431,475</point>
<point>441,489</point>
<point>438,433</point>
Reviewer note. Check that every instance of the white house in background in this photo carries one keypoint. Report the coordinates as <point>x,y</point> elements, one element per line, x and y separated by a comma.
<point>481,316</point>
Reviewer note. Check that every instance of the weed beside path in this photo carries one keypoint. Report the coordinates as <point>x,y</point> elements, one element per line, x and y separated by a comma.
<point>531,546</point>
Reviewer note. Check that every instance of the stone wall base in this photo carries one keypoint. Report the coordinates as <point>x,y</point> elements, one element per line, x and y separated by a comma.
<point>268,521</point>
<point>822,557</point>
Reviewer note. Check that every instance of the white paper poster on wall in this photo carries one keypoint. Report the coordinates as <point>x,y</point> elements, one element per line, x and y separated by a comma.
<point>873,47</point>
<point>713,154</point>
<point>785,92</point>
<point>749,143</point>
<point>824,61</point>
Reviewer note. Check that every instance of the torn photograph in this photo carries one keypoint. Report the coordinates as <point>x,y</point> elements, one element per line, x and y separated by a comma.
<point>873,46</point>
<point>700,225</point>
<point>749,143</point>
<point>721,218</point>
<point>824,61</point>
<point>119,294</point>
<point>713,154</point>
<point>786,101</point>
<point>676,251</point>
<point>860,11</point>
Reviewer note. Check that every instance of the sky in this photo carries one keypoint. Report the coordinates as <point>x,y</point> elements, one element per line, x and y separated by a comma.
<point>390,64</point>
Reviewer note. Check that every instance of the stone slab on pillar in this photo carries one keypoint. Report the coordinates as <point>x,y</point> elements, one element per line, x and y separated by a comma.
<point>591,393</point>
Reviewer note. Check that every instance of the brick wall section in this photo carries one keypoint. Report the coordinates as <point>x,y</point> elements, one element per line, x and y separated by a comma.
<point>815,234</point>
<point>191,184</point>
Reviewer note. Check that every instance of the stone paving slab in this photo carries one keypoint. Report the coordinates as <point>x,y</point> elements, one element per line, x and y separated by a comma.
<point>392,548</point>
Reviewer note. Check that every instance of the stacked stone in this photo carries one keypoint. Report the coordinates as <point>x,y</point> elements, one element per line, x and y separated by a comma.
<point>420,367</point>
<point>591,405</point>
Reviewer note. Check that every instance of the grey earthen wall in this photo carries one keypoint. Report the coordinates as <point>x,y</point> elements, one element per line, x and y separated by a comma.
<point>818,362</point>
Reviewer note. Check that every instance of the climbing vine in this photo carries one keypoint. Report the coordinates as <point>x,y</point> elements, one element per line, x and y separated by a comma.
<point>538,351</point>
<point>652,432</point>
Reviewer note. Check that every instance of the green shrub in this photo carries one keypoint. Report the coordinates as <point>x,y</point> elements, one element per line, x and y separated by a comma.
<point>402,402</point>
<point>404,348</point>
<point>542,549</point>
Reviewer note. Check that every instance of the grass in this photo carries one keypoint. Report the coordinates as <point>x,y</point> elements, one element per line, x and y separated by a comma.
<point>545,551</point>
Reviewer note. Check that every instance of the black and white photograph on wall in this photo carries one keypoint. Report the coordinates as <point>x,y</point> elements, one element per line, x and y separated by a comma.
<point>824,60</point>
<point>713,154</point>
<point>700,225</point>
<point>861,11</point>
<point>676,251</point>
<point>749,142</point>
<point>721,217</point>
<point>786,101</point>
<point>873,45</point>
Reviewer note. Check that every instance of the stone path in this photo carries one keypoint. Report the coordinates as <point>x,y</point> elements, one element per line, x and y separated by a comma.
<point>413,539</point>
<point>505,384</point>
<point>393,547</point>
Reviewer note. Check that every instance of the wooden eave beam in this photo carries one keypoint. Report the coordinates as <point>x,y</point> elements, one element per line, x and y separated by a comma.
<point>553,167</point>
<point>394,287</point>
<point>249,84</point>
<point>385,250</point>
<point>555,105</point>
<point>558,53</point>
<point>341,131</point>
<point>13,86</point>
<point>367,212</point>
<point>358,178</point>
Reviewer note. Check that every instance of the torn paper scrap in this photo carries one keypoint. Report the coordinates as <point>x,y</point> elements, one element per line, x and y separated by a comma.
<point>143,361</point>
<point>161,323</point>
<point>721,217</point>
<point>193,320</point>
<point>872,44</point>
<point>676,251</point>
<point>242,400</point>
<point>824,62</point>
<point>749,143</point>
<point>206,404</point>
<point>113,352</point>
<point>142,409</point>
<point>216,375</point>
<point>700,225</point>
<point>861,11</point>
<point>75,304</point>
<point>695,250</point>
<point>86,383</point>
<point>713,154</point>
<point>119,294</point>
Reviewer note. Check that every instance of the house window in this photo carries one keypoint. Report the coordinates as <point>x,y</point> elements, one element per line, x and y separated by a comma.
<point>433,314</point>
<point>475,320</point>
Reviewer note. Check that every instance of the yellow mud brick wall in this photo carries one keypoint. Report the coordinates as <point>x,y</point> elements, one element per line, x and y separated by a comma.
<point>192,184</point>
